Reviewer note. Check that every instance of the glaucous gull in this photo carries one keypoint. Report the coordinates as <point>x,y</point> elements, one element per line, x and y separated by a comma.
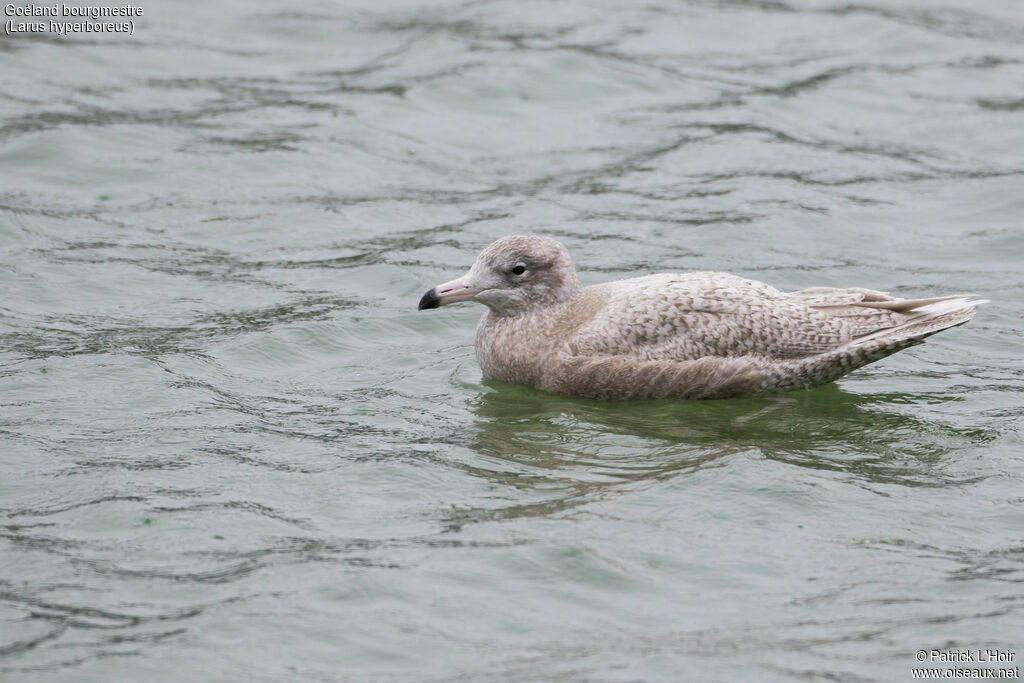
<point>683,335</point>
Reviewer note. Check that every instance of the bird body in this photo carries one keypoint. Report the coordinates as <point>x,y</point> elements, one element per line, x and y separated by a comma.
<point>683,335</point>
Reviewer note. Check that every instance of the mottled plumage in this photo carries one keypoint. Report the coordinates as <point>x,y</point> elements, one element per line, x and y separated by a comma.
<point>689,335</point>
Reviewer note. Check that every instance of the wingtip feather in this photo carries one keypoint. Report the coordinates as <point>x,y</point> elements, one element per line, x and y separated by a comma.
<point>928,319</point>
<point>949,306</point>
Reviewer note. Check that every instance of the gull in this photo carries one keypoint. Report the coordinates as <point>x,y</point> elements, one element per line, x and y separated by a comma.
<point>675,335</point>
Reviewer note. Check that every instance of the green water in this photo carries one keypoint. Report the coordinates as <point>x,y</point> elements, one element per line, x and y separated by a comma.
<point>231,449</point>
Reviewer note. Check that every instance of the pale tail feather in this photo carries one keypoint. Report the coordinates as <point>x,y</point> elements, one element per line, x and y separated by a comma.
<point>896,305</point>
<point>927,317</point>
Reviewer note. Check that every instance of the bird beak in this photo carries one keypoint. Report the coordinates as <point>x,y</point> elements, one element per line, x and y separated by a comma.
<point>448,293</point>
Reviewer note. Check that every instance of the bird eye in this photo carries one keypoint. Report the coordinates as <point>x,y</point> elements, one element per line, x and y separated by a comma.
<point>519,269</point>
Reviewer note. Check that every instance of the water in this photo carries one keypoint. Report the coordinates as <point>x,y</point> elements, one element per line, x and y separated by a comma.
<point>233,450</point>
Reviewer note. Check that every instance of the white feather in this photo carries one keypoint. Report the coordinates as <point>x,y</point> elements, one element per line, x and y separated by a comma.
<point>922,314</point>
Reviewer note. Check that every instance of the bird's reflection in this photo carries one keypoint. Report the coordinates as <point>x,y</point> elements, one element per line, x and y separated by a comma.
<point>559,453</point>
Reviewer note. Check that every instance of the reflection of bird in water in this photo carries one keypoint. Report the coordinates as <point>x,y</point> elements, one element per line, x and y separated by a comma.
<point>566,453</point>
<point>691,335</point>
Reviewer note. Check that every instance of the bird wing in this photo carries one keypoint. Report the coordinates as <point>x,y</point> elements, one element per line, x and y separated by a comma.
<point>696,315</point>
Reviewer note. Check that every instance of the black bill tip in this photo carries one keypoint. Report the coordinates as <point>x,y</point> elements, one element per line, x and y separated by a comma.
<point>430,300</point>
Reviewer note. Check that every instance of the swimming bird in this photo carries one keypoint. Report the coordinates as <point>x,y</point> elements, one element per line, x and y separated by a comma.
<point>682,335</point>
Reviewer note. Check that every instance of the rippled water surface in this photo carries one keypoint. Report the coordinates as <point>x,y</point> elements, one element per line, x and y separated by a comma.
<point>231,448</point>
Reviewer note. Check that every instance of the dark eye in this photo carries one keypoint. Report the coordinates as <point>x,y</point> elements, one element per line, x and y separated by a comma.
<point>519,269</point>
